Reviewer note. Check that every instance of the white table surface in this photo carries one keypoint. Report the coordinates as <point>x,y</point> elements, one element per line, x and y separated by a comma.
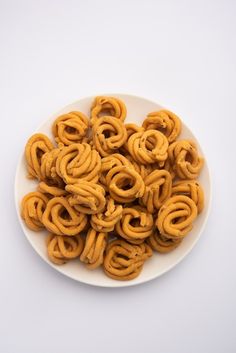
<point>178,53</point>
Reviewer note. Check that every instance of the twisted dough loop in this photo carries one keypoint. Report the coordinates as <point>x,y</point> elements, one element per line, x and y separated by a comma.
<point>131,129</point>
<point>78,161</point>
<point>62,248</point>
<point>176,216</point>
<point>87,197</point>
<point>94,248</point>
<point>185,160</point>
<point>50,190</point>
<point>48,168</point>
<point>192,189</point>
<point>109,163</point>
<point>70,128</point>
<point>125,185</point>
<point>35,148</point>
<point>148,147</point>
<point>162,244</point>
<point>109,134</point>
<point>105,221</point>
<point>108,106</point>
<point>142,169</point>
<point>124,261</point>
<point>62,219</point>
<point>32,208</point>
<point>157,189</point>
<point>135,225</point>
<point>166,122</point>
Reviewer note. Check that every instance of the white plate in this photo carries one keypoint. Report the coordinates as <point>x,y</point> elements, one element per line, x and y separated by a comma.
<point>137,109</point>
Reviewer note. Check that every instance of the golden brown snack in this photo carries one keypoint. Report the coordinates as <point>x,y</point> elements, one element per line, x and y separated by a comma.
<point>109,106</point>
<point>50,190</point>
<point>125,184</point>
<point>148,147</point>
<point>158,186</point>
<point>176,216</point>
<point>109,134</point>
<point>70,128</point>
<point>61,218</point>
<point>78,162</point>
<point>168,166</point>
<point>48,168</point>
<point>33,206</point>
<point>106,220</point>
<point>192,189</point>
<point>36,147</point>
<point>185,160</point>
<point>142,169</point>
<point>162,244</point>
<point>166,122</point>
<point>135,225</point>
<point>131,129</point>
<point>87,197</point>
<point>124,261</point>
<point>93,253</point>
<point>62,248</point>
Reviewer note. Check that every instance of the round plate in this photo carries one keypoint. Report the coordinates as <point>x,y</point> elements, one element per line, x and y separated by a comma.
<point>137,109</point>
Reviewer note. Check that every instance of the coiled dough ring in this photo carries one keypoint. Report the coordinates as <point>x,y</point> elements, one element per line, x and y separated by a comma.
<point>184,157</point>
<point>33,206</point>
<point>135,225</point>
<point>142,169</point>
<point>70,128</point>
<point>110,162</point>
<point>109,134</point>
<point>78,161</point>
<point>162,244</point>
<point>124,261</point>
<point>94,248</point>
<point>50,190</point>
<point>108,106</point>
<point>192,189</point>
<point>176,216</point>
<point>62,219</point>
<point>87,197</point>
<point>48,168</point>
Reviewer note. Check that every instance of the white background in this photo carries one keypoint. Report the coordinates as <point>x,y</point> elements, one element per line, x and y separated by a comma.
<point>179,53</point>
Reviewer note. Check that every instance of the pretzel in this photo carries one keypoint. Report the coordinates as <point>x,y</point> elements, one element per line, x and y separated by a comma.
<point>124,261</point>
<point>35,148</point>
<point>105,221</point>
<point>48,168</point>
<point>148,147</point>
<point>62,248</point>
<point>70,128</point>
<point>62,219</point>
<point>157,189</point>
<point>166,122</point>
<point>109,134</point>
<point>32,208</point>
<point>51,190</point>
<point>125,185</point>
<point>135,225</point>
<point>78,161</point>
<point>109,106</point>
<point>192,189</point>
<point>162,244</point>
<point>94,248</point>
<point>185,160</point>
<point>110,162</point>
<point>176,216</point>
<point>87,197</point>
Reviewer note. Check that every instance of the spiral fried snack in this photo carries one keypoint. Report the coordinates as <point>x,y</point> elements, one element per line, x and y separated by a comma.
<point>141,169</point>
<point>87,197</point>
<point>168,166</point>
<point>185,160</point>
<point>192,189</point>
<point>62,219</point>
<point>148,147</point>
<point>162,244</point>
<point>50,190</point>
<point>78,161</point>
<point>36,146</point>
<point>131,129</point>
<point>166,122</point>
<point>70,128</point>
<point>176,216</point>
<point>108,106</point>
<point>125,185</point>
<point>109,134</point>
<point>135,225</point>
<point>94,248</point>
<point>33,206</point>
<point>158,186</point>
<point>62,248</point>
<point>124,261</point>
<point>110,162</point>
<point>105,221</point>
<point>48,168</point>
